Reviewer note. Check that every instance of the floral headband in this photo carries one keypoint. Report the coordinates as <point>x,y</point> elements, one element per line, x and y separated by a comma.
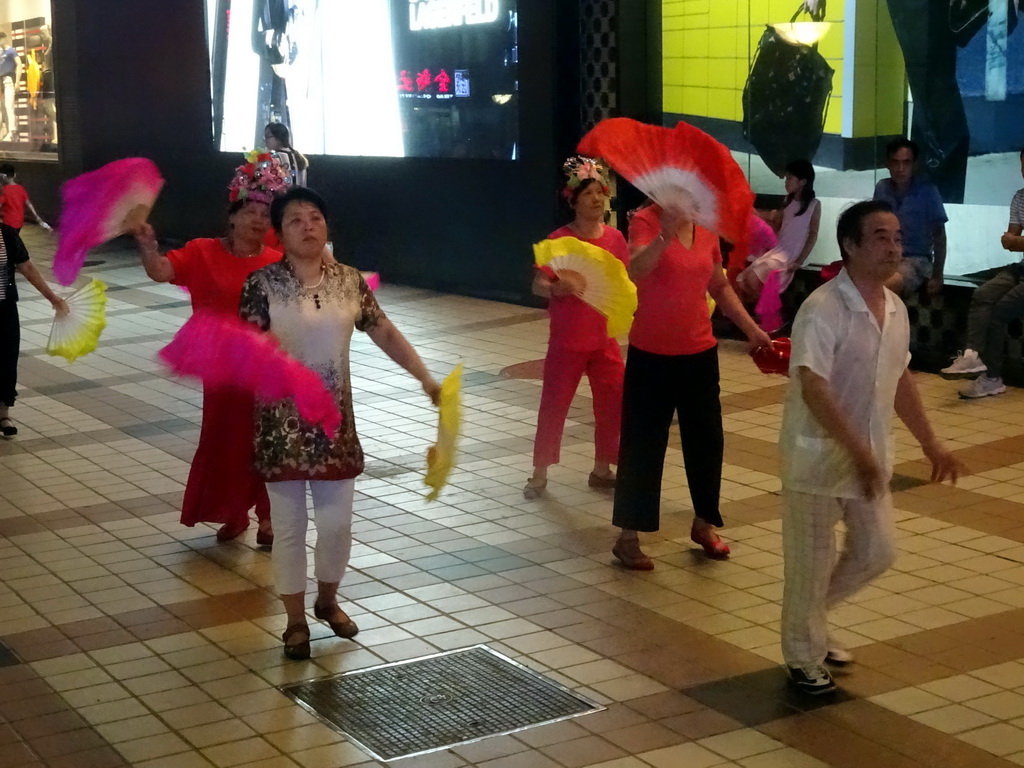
<point>262,178</point>
<point>579,168</point>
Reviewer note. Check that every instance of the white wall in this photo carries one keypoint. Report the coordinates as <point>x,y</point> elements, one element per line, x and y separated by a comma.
<point>18,10</point>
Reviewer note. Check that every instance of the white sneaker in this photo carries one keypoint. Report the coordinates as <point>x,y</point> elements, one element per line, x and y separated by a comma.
<point>814,679</point>
<point>967,365</point>
<point>983,386</point>
<point>838,656</point>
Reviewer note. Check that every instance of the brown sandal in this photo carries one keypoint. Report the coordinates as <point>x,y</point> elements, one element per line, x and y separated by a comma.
<point>634,560</point>
<point>296,651</point>
<point>601,483</point>
<point>534,488</point>
<point>346,628</point>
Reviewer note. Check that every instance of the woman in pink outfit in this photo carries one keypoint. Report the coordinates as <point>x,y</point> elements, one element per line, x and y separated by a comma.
<point>579,340</point>
<point>223,484</point>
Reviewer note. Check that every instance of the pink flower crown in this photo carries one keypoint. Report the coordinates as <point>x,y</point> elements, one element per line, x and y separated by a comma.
<point>262,178</point>
<point>578,168</point>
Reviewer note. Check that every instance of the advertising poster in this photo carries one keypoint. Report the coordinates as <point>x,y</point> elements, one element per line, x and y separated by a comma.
<point>834,83</point>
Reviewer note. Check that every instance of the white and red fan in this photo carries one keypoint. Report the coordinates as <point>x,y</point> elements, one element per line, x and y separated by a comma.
<point>680,168</point>
<point>100,205</point>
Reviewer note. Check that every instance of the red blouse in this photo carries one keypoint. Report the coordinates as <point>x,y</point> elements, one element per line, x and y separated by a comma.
<point>213,275</point>
<point>575,325</point>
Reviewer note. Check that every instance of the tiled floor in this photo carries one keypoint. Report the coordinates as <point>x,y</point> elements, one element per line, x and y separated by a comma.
<point>128,639</point>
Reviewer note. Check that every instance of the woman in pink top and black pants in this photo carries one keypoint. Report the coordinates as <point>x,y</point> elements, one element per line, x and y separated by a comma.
<point>579,340</point>
<point>672,368</point>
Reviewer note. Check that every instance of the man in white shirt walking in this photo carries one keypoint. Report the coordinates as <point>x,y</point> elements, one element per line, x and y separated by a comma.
<point>993,306</point>
<point>848,370</point>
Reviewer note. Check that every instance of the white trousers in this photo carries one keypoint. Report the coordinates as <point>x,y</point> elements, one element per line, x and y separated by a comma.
<point>332,509</point>
<point>815,581</point>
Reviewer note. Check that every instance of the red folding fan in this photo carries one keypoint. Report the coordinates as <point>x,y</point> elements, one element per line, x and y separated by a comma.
<point>681,168</point>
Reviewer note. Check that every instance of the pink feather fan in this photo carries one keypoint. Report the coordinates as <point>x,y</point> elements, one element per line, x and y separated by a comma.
<point>100,205</point>
<point>225,351</point>
<point>769,304</point>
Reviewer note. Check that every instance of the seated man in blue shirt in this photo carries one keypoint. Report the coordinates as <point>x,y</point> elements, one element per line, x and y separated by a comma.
<point>918,206</point>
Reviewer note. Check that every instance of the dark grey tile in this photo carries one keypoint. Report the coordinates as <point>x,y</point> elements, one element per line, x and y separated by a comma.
<point>760,697</point>
<point>7,657</point>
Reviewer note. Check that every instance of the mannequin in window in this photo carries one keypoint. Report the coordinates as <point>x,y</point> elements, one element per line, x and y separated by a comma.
<point>10,76</point>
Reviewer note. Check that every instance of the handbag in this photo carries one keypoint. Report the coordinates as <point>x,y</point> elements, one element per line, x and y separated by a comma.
<point>967,17</point>
<point>785,99</point>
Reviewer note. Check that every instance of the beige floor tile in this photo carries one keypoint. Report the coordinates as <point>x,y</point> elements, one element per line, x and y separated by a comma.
<point>181,760</point>
<point>1008,675</point>
<point>955,718</point>
<point>782,758</point>
<point>999,739</point>
<point>138,750</point>
<point>331,756</point>
<point>305,737</point>
<point>690,755</point>
<point>960,688</point>
<point>909,701</point>
<point>240,752</point>
<point>739,744</point>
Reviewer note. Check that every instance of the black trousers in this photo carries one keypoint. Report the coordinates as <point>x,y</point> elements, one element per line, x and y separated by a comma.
<point>656,388</point>
<point>10,344</point>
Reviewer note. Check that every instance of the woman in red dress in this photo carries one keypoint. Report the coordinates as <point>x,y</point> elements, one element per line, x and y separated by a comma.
<point>223,484</point>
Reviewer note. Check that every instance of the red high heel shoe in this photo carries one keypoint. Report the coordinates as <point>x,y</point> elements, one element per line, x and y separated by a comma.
<point>713,546</point>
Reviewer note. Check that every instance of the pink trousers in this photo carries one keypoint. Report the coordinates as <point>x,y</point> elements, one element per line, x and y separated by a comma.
<point>563,369</point>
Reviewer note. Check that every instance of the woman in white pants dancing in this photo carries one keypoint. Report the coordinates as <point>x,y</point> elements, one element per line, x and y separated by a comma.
<point>312,307</point>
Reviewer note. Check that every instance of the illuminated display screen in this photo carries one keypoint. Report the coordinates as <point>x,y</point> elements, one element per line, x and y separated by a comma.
<point>393,78</point>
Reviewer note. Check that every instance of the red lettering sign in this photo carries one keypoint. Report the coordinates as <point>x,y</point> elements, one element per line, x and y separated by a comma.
<point>442,81</point>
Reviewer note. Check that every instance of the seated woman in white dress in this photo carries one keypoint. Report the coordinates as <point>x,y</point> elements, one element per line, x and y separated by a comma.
<point>801,216</point>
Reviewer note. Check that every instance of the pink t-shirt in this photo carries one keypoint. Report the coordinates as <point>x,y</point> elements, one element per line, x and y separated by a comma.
<point>575,325</point>
<point>672,313</point>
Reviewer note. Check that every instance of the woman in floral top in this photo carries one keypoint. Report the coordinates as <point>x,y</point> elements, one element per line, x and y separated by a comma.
<point>312,308</point>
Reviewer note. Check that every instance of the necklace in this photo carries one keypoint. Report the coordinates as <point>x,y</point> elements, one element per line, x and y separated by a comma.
<point>323,274</point>
<point>307,288</point>
<point>229,243</point>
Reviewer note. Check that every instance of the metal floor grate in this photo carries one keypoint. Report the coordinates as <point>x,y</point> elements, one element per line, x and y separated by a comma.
<point>412,707</point>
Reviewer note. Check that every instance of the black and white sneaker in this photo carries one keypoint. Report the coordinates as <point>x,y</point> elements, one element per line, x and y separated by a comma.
<point>813,679</point>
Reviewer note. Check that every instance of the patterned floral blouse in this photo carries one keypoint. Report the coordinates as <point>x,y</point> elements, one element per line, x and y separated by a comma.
<point>314,325</point>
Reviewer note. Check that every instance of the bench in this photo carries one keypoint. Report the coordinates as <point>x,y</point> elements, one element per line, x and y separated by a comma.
<point>938,324</point>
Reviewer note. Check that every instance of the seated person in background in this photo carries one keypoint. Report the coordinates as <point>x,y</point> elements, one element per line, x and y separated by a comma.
<point>801,216</point>
<point>993,305</point>
<point>918,206</point>
<point>761,238</point>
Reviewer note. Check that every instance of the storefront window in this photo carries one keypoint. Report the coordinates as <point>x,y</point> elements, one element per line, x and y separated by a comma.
<point>388,78</point>
<point>28,107</point>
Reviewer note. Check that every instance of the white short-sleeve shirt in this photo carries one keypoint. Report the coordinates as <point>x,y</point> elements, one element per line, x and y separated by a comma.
<point>836,336</point>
